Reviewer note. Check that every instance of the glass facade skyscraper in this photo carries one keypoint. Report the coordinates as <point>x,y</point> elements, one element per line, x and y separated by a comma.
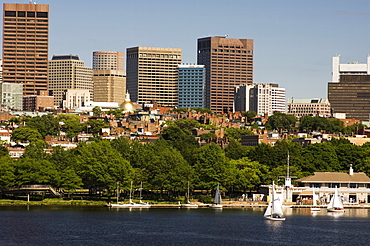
<point>191,86</point>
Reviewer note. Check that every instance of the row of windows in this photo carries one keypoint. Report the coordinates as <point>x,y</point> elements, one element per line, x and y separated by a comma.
<point>28,14</point>
<point>233,51</point>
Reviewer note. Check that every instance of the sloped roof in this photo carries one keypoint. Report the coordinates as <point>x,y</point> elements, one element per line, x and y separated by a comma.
<point>331,177</point>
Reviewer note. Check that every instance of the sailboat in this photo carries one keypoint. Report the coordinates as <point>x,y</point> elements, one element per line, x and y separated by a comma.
<point>274,209</point>
<point>218,200</point>
<point>131,204</point>
<point>314,202</point>
<point>189,204</point>
<point>335,204</point>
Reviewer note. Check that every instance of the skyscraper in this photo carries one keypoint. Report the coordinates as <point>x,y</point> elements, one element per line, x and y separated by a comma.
<point>191,86</point>
<point>109,76</point>
<point>108,60</point>
<point>25,46</point>
<point>68,72</point>
<point>228,63</point>
<point>348,92</point>
<point>152,74</point>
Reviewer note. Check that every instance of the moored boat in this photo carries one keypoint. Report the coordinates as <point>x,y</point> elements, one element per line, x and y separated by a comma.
<point>218,200</point>
<point>274,209</point>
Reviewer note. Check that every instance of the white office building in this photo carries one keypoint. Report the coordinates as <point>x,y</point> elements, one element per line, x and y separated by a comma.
<point>353,68</point>
<point>260,98</point>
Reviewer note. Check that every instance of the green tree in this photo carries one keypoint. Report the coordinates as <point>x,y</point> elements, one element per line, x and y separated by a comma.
<point>100,166</point>
<point>3,151</point>
<point>46,125</point>
<point>187,124</point>
<point>211,166</point>
<point>97,110</point>
<point>207,136</point>
<point>168,170</point>
<point>69,180</point>
<point>236,133</point>
<point>36,150</point>
<point>94,126</point>
<point>26,134</point>
<point>33,171</point>
<point>7,172</point>
<point>181,139</point>
<point>281,121</point>
<point>320,158</point>
<point>70,124</point>
<point>235,150</point>
<point>250,115</point>
<point>202,110</point>
<point>250,174</point>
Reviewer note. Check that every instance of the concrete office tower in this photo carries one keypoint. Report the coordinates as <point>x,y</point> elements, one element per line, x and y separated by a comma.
<point>260,98</point>
<point>11,95</point>
<point>68,72</point>
<point>228,63</point>
<point>109,76</point>
<point>300,107</point>
<point>191,86</point>
<point>152,74</point>
<point>109,85</point>
<point>25,46</point>
<point>348,93</point>
<point>108,60</point>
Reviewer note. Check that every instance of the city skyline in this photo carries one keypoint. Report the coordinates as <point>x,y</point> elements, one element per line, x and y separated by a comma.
<point>294,41</point>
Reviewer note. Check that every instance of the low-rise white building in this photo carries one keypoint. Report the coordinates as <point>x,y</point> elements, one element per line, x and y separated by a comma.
<point>300,107</point>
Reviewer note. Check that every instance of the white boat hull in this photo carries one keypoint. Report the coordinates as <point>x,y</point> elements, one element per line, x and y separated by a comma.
<point>215,206</point>
<point>274,218</point>
<point>130,205</point>
<point>335,209</point>
<point>315,209</point>
<point>189,205</point>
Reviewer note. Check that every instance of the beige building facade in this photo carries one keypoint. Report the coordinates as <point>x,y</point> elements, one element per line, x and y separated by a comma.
<point>152,74</point>
<point>109,85</point>
<point>68,72</point>
<point>108,60</point>
<point>308,106</point>
<point>25,46</point>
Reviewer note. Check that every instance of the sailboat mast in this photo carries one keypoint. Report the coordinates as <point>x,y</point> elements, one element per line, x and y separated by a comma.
<point>117,190</point>
<point>188,192</point>
<point>130,193</point>
<point>287,169</point>
<point>141,188</point>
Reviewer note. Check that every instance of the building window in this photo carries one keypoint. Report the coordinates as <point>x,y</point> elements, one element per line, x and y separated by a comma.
<point>315,185</point>
<point>334,185</point>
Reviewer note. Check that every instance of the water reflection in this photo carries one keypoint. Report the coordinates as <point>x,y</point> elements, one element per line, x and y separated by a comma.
<point>323,212</point>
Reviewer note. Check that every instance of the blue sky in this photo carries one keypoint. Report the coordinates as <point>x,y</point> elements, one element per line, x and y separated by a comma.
<point>294,41</point>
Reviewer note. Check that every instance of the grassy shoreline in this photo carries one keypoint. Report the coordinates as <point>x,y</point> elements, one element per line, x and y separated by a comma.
<point>4,202</point>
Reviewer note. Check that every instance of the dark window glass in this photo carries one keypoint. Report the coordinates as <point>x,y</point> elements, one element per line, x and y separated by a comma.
<point>21,14</point>
<point>30,14</point>
<point>42,14</point>
<point>10,13</point>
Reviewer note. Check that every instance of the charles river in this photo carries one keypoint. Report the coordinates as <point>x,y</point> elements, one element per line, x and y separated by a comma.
<point>53,225</point>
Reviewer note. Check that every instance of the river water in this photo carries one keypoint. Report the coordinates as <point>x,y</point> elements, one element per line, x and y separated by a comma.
<point>49,225</point>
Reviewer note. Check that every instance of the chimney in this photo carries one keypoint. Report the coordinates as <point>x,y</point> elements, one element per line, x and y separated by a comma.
<point>350,170</point>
